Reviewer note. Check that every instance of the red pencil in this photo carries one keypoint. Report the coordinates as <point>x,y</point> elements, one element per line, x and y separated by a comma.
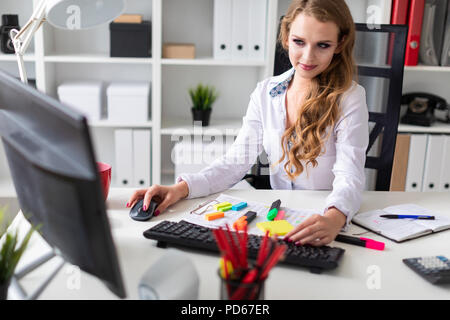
<point>226,247</point>
<point>242,246</point>
<point>262,249</point>
<point>272,261</point>
<point>245,246</point>
<point>249,278</point>
<point>234,248</point>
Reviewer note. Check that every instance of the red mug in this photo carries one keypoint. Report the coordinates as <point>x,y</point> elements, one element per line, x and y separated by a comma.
<point>105,177</point>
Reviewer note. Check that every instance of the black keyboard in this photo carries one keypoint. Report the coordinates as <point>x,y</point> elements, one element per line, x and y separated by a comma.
<point>185,234</point>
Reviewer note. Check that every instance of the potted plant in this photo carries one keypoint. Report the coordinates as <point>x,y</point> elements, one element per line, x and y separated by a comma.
<point>202,97</point>
<point>10,254</point>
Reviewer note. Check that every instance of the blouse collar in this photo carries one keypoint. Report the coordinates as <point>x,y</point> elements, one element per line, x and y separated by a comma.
<point>282,82</point>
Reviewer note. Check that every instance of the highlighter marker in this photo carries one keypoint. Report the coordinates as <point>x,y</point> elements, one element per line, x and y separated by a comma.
<point>362,242</point>
<point>243,221</point>
<point>280,215</point>
<point>239,206</point>
<point>273,211</point>
<point>214,216</point>
<point>276,204</point>
<point>221,205</point>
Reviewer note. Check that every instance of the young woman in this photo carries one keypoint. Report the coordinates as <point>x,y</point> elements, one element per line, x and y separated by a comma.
<point>312,121</point>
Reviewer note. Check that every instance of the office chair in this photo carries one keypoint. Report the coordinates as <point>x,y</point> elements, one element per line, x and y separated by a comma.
<point>389,66</point>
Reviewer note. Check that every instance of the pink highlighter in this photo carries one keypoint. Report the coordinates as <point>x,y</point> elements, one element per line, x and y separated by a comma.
<point>362,242</point>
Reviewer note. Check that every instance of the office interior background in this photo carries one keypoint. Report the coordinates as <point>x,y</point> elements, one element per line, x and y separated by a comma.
<point>58,57</point>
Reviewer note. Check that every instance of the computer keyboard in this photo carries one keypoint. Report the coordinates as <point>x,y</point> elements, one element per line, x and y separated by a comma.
<point>193,236</point>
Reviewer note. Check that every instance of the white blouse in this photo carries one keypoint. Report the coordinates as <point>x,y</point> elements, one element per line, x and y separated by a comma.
<point>340,168</point>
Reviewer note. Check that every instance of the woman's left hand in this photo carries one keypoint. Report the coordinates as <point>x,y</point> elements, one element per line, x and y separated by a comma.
<point>318,230</point>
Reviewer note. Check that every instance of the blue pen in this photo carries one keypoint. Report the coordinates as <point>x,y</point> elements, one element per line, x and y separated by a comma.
<point>399,216</point>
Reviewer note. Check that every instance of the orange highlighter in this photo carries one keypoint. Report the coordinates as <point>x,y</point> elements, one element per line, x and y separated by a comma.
<point>243,221</point>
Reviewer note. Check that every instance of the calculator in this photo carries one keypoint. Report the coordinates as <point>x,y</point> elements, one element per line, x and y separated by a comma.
<point>435,269</point>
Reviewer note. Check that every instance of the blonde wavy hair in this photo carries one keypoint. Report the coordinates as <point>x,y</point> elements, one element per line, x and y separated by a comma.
<point>320,109</point>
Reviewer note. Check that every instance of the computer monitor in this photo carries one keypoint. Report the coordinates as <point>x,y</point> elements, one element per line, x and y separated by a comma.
<point>53,167</point>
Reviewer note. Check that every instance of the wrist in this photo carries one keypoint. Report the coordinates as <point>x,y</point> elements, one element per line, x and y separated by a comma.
<point>183,189</point>
<point>338,216</point>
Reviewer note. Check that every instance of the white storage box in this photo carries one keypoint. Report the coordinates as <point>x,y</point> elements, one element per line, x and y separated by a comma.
<point>85,96</point>
<point>190,157</point>
<point>128,102</point>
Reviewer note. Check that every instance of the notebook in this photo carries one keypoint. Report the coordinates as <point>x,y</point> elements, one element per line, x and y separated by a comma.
<point>402,229</point>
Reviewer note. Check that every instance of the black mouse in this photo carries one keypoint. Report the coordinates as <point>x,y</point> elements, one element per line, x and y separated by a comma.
<point>136,213</point>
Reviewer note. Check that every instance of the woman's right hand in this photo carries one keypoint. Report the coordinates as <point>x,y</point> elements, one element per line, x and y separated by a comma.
<point>163,195</point>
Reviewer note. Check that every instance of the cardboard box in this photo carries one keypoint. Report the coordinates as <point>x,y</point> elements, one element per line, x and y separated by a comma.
<point>129,18</point>
<point>179,51</point>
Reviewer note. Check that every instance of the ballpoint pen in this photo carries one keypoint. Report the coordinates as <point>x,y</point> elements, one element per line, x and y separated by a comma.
<point>401,216</point>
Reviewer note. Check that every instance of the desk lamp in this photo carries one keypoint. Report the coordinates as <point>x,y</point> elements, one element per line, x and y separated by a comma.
<point>64,14</point>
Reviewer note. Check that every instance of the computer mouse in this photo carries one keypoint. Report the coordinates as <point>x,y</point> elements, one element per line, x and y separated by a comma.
<point>136,213</point>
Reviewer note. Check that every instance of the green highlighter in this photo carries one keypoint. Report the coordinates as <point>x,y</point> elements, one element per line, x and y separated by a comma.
<point>273,211</point>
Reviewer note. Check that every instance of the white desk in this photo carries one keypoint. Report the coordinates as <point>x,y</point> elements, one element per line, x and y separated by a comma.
<point>348,281</point>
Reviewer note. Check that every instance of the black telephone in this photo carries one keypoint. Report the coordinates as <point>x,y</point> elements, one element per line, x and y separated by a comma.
<point>422,107</point>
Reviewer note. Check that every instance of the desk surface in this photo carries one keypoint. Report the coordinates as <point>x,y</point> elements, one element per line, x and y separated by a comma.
<point>355,278</point>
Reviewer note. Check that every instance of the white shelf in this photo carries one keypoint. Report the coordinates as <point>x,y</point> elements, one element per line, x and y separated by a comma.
<point>228,127</point>
<point>113,124</point>
<point>94,58</point>
<point>12,57</point>
<point>422,68</point>
<point>435,128</point>
<point>213,62</point>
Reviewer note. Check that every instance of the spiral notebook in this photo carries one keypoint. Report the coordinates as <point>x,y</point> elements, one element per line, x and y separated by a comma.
<point>402,229</point>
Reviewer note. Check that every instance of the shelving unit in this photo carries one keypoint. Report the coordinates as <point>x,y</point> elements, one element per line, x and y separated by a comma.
<point>11,57</point>
<point>437,127</point>
<point>57,56</point>
<point>212,62</point>
<point>95,58</point>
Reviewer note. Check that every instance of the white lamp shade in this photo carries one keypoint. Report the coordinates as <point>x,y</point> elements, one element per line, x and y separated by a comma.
<point>82,14</point>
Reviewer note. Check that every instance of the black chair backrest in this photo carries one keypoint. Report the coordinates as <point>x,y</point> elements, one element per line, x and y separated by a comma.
<point>385,123</point>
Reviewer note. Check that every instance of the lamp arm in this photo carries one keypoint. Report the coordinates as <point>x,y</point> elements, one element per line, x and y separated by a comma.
<point>22,39</point>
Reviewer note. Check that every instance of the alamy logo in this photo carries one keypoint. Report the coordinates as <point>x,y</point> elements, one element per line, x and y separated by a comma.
<point>374,280</point>
<point>73,22</point>
<point>373,17</point>
<point>73,278</point>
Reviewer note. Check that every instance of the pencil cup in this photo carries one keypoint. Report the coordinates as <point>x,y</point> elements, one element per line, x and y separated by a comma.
<point>236,290</point>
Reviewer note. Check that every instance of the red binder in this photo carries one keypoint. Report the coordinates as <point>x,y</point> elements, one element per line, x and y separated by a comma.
<point>415,28</point>
<point>399,15</point>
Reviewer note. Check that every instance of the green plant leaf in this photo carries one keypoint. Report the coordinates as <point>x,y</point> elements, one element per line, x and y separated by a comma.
<point>6,253</point>
<point>9,254</point>
<point>203,96</point>
<point>17,254</point>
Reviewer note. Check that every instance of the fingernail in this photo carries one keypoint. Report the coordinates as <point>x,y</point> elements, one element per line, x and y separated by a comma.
<point>128,204</point>
<point>298,243</point>
<point>156,213</point>
<point>287,239</point>
<point>145,208</point>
